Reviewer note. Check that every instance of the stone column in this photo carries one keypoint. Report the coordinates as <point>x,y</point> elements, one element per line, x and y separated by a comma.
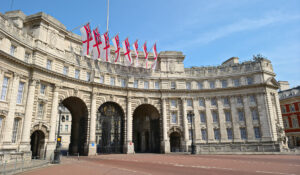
<point>235,121</point>
<point>209,122</point>
<point>25,142</point>
<point>92,145</point>
<point>248,118</point>
<point>9,121</point>
<point>196,126</point>
<point>222,124</point>
<point>166,141</point>
<point>185,125</point>
<point>130,145</point>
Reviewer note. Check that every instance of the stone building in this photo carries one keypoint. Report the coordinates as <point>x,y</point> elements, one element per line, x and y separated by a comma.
<point>290,108</point>
<point>126,109</point>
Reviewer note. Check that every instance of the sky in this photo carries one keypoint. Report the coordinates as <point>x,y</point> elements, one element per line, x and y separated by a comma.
<point>207,32</point>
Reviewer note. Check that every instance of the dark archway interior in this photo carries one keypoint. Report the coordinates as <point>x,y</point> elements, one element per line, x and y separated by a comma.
<point>175,142</point>
<point>37,144</point>
<point>110,128</point>
<point>79,128</point>
<point>146,129</point>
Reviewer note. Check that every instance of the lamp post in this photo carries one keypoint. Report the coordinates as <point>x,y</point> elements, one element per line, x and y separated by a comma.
<point>191,116</point>
<point>58,139</point>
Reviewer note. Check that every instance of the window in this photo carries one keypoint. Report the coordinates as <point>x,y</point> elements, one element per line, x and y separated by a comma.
<point>190,134</point>
<point>286,123</point>
<point>236,82</point>
<point>66,70</point>
<point>295,122</point>
<point>227,116</point>
<point>212,84</point>
<point>20,92</point>
<point>101,79</point>
<point>173,103</point>
<point>225,101</point>
<point>1,123</point>
<point>229,133</point>
<point>4,88</point>
<point>239,100</point>
<point>49,64</point>
<point>88,76</point>
<point>234,68</point>
<point>12,50</point>
<point>189,117</point>
<point>188,85</point>
<point>112,81</point>
<point>146,84</point>
<point>283,110</point>
<point>26,57</point>
<point>204,134</point>
<point>217,134</point>
<point>241,115</point>
<point>252,98</point>
<point>213,102</point>
<point>41,110</point>
<point>123,83</point>
<point>202,117</point>
<point>63,118</point>
<point>135,83</point>
<point>15,130</point>
<point>77,73</point>
<point>292,108</point>
<point>189,102</point>
<point>42,89</point>
<point>200,85</point>
<point>201,102</point>
<point>156,85</point>
<point>67,117</point>
<point>215,116</point>
<point>174,117</point>
<point>249,80</point>
<point>243,133</point>
<point>173,85</point>
<point>224,83</point>
<point>66,128</point>
<point>257,132</point>
<point>254,114</point>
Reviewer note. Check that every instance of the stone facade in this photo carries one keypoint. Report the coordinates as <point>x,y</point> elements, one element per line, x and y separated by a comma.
<point>236,105</point>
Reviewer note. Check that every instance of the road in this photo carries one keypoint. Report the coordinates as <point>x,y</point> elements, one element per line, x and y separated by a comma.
<point>175,164</point>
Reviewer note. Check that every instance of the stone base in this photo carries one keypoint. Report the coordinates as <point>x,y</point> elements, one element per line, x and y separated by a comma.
<point>25,147</point>
<point>92,149</point>
<point>50,151</point>
<point>129,148</point>
<point>165,146</point>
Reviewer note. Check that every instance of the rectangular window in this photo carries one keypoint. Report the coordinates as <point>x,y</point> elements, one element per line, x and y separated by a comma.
<point>243,133</point>
<point>213,102</point>
<point>202,117</point>
<point>173,85</point>
<point>188,85</point>
<point>225,101</point>
<point>189,102</point>
<point>283,110</point>
<point>66,128</point>
<point>88,76</point>
<point>292,108</point>
<point>1,121</point>
<point>224,83</point>
<point>135,83</point>
<point>217,134</point>
<point>67,117</point>
<point>236,82</point>
<point>295,122</point>
<point>249,80</point>
<point>77,73</point>
<point>26,57</point>
<point>4,88</point>
<point>215,116</point>
<point>204,134</point>
<point>257,132</point>
<point>239,100</point>
<point>40,110</point>
<point>66,70</point>
<point>123,83</point>
<point>241,115</point>
<point>254,114</point>
<point>173,103</point>
<point>12,50</point>
<point>101,79</point>
<point>146,84</point>
<point>112,81</point>
<point>212,84</point>
<point>174,117</point>
<point>201,102</point>
<point>229,133</point>
<point>49,64</point>
<point>15,130</point>
<point>156,85</point>
<point>190,134</point>
<point>252,98</point>
<point>20,93</point>
<point>227,116</point>
<point>43,89</point>
<point>285,123</point>
<point>200,85</point>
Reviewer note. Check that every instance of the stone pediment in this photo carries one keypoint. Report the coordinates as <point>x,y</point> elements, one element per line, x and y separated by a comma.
<point>271,81</point>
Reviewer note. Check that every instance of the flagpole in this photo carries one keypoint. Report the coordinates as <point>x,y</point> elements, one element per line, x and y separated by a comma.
<point>107,15</point>
<point>78,26</point>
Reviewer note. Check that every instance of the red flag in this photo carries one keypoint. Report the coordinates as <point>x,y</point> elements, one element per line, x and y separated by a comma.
<point>86,37</point>
<point>116,43</point>
<point>96,44</point>
<point>155,56</point>
<point>136,47</point>
<point>145,53</point>
<point>106,46</point>
<point>126,48</point>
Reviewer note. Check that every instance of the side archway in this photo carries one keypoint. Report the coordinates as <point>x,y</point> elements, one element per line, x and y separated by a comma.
<point>37,144</point>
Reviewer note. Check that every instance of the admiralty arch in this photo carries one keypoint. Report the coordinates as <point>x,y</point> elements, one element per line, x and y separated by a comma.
<point>128,109</point>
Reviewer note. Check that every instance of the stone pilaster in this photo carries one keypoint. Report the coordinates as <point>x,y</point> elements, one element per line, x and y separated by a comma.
<point>9,121</point>
<point>130,145</point>
<point>92,144</point>
<point>235,121</point>
<point>271,118</point>
<point>196,126</point>
<point>166,141</point>
<point>185,125</point>
<point>248,118</point>
<point>263,120</point>
<point>222,125</point>
<point>209,122</point>
<point>25,142</point>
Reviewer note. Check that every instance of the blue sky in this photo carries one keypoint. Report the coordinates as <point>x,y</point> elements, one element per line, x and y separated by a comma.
<point>207,32</point>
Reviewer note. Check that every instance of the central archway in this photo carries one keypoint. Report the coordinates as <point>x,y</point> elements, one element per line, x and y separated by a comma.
<point>146,129</point>
<point>79,127</point>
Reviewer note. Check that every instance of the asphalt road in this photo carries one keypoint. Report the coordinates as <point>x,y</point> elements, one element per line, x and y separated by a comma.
<point>175,164</point>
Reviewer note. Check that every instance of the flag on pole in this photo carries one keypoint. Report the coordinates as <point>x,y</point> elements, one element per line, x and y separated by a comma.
<point>105,47</point>
<point>127,53</point>
<point>86,37</point>
<point>155,56</point>
<point>116,43</point>
<point>136,47</point>
<point>96,44</point>
<point>145,53</point>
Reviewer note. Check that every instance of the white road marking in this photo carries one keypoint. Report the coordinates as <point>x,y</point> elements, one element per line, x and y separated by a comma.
<point>268,172</point>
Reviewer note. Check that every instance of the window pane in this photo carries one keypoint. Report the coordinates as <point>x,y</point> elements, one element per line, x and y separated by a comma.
<point>227,116</point>
<point>217,134</point>
<point>146,84</point>
<point>188,85</point>
<point>112,81</point>
<point>229,133</point>
<point>15,130</point>
<point>174,117</point>
<point>204,134</point>
<point>189,102</point>
<point>20,93</point>
<point>257,132</point>
<point>212,84</point>
<point>4,88</point>
<point>135,85</point>
<point>202,117</point>
<point>156,85</point>
<point>200,85</point>
<point>43,89</point>
<point>77,73</point>
<point>241,116</point>
<point>201,102</point>
<point>173,85</point>
<point>243,133</point>
<point>215,116</point>
<point>224,83</point>
<point>66,70</point>
<point>236,82</point>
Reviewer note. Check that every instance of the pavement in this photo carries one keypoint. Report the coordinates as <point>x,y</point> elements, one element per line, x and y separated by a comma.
<point>174,164</point>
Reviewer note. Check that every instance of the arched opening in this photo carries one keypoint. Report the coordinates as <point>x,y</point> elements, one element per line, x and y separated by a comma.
<point>110,128</point>
<point>37,144</point>
<point>79,125</point>
<point>175,141</point>
<point>146,129</point>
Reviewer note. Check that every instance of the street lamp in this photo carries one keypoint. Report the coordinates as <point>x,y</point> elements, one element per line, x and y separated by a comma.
<point>191,117</point>
<point>58,139</point>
